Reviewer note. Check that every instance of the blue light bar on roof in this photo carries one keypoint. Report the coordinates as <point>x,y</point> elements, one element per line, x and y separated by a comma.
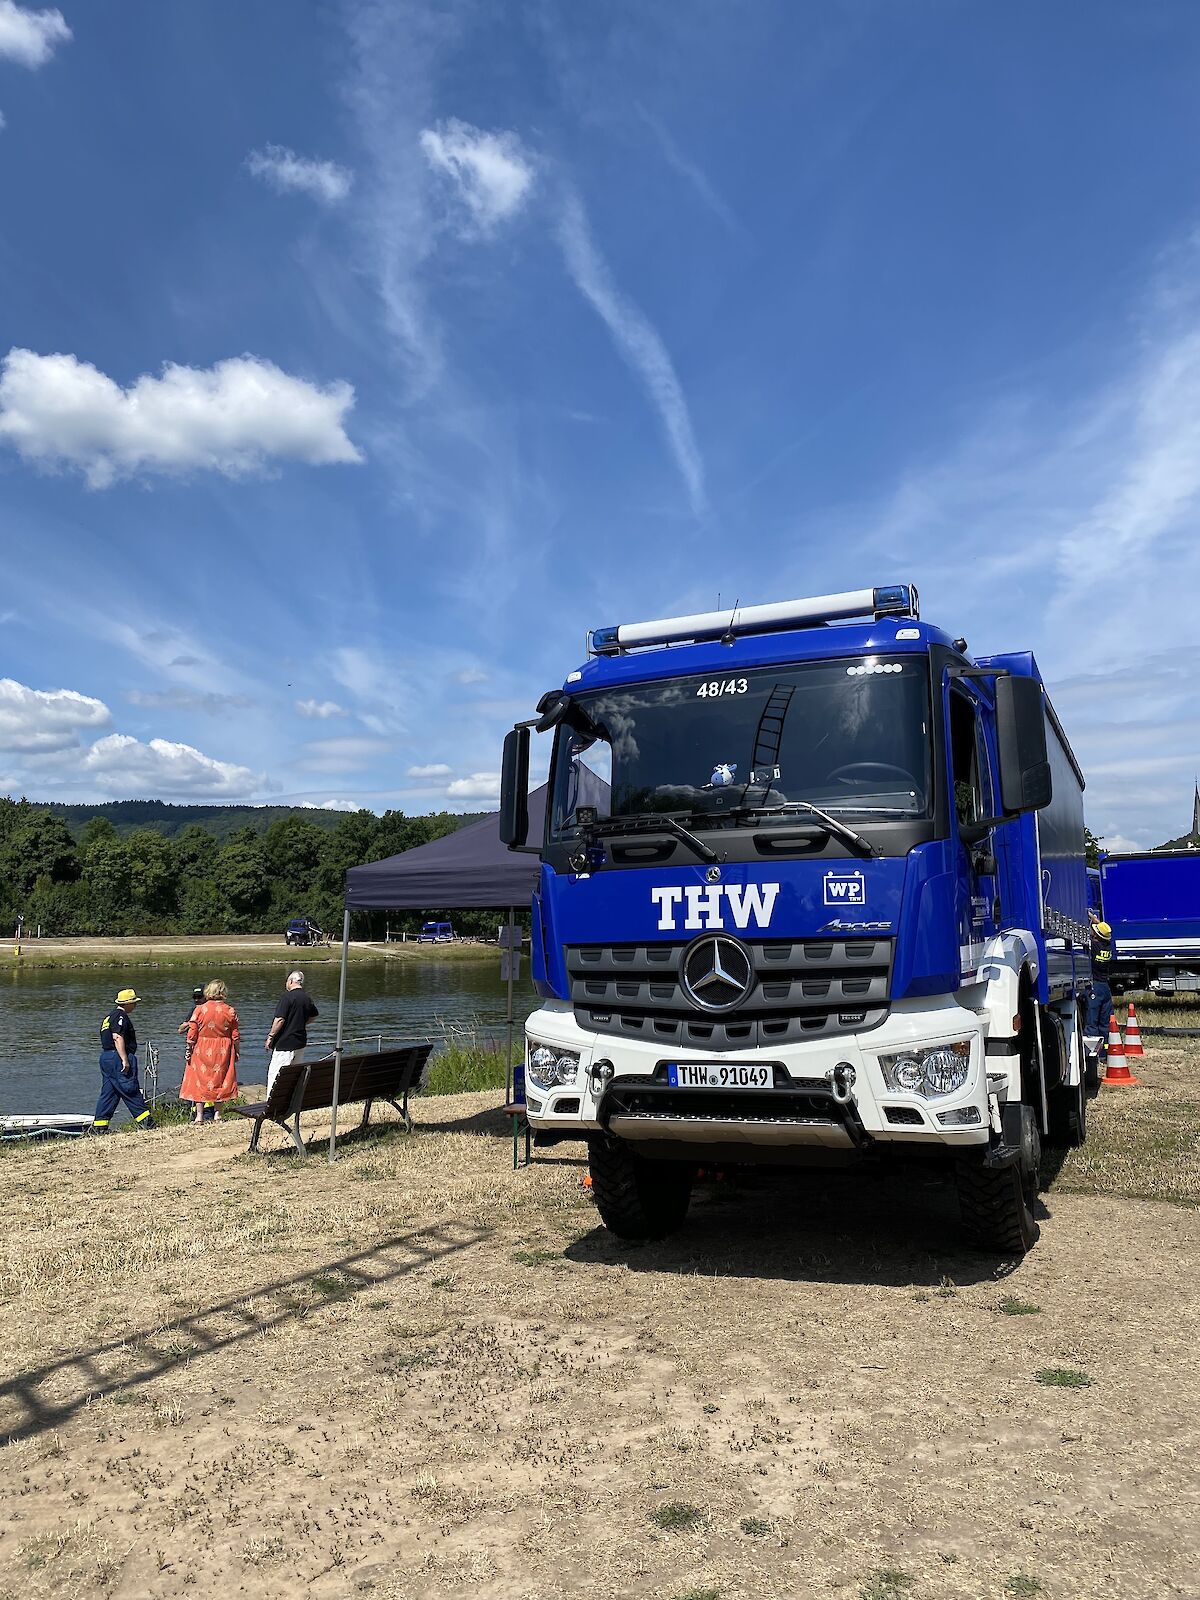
<point>898,600</point>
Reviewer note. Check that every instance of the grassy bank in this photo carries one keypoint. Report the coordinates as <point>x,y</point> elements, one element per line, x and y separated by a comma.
<point>251,949</point>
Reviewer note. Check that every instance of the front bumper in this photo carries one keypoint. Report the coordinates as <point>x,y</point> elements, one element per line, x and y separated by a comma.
<point>801,1110</point>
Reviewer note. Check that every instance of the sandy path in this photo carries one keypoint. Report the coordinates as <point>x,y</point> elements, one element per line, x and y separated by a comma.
<point>419,1374</point>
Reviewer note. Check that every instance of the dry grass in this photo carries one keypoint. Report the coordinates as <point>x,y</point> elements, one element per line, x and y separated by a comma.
<point>417,1373</point>
<point>1143,1142</point>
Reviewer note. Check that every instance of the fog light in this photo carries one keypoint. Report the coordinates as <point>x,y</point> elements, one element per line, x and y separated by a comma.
<point>963,1117</point>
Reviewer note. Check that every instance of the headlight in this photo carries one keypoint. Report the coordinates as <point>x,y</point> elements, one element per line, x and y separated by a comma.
<point>935,1070</point>
<point>547,1065</point>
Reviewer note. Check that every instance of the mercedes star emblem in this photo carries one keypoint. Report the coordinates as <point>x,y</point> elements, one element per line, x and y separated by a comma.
<point>717,973</point>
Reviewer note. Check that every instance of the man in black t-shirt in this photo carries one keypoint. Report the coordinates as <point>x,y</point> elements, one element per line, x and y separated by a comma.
<point>289,1030</point>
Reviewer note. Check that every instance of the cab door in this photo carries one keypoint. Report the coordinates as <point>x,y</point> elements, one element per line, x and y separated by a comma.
<point>972,797</point>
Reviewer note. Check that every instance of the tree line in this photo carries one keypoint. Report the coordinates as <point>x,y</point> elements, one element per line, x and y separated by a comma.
<point>105,884</point>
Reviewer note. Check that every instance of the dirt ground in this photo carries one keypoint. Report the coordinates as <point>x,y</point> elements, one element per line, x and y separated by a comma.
<point>418,1373</point>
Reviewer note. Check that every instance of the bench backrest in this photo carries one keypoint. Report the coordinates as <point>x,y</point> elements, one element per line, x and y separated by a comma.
<point>377,1075</point>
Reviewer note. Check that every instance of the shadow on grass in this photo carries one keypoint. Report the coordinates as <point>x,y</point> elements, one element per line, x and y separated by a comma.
<point>47,1396</point>
<point>869,1225</point>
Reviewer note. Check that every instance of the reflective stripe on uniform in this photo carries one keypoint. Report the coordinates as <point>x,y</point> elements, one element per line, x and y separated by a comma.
<point>141,1116</point>
<point>100,1122</point>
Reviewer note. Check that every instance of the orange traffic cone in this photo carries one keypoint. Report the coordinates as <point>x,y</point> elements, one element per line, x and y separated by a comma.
<point>1116,1073</point>
<point>1133,1035</point>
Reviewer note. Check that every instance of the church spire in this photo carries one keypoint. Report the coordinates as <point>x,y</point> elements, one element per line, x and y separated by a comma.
<point>1196,811</point>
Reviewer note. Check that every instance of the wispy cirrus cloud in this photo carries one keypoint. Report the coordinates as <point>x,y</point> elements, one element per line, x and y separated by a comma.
<point>638,342</point>
<point>287,173</point>
<point>1076,529</point>
<point>694,176</point>
<point>30,37</point>
<point>492,175</point>
<point>209,702</point>
<point>235,417</point>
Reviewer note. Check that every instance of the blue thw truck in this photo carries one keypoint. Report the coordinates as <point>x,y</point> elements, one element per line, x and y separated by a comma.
<point>812,890</point>
<point>1151,900</point>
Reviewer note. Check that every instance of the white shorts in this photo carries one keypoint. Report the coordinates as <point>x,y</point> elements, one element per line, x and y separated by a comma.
<point>280,1058</point>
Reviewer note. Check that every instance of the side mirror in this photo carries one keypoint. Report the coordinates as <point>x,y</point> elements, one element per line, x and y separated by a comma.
<point>1025,783</point>
<point>514,789</point>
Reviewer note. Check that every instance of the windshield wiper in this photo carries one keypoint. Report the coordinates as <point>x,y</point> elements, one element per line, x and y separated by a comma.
<point>648,821</point>
<point>832,824</point>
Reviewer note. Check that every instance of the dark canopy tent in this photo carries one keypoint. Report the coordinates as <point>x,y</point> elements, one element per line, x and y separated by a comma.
<point>466,869</point>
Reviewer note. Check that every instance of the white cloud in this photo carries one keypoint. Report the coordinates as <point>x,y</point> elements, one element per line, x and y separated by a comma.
<point>38,721</point>
<point>489,174</point>
<point>30,37</point>
<point>337,805</point>
<point>638,342</point>
<point>436,769</point>
<point>287,172</point>
<point>338,755</point>
<point>233,418</point>
<point>207,701</point>
<point>479,786</point>
<point>320,710</point>
<point>470,675</point>
<point>122,765</point>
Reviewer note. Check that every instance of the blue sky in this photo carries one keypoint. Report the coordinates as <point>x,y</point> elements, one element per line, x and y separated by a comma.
<point>358,357</point>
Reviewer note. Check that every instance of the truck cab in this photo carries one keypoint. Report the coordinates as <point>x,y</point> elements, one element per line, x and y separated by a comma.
<point>812,889</point>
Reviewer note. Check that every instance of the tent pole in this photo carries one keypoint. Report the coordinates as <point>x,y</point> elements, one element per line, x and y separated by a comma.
<point>508,1061</point>
<point>337,1049</point>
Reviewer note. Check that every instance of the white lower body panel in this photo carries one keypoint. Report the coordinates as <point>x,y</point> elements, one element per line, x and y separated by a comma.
<point>576,1107</point>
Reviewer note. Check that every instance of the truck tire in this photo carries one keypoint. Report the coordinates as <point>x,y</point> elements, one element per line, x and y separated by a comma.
<point>636,1198</point>
<point>996,1204</point>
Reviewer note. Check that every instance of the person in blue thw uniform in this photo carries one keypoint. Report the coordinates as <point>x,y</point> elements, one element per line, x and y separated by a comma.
<point>119,1066</point>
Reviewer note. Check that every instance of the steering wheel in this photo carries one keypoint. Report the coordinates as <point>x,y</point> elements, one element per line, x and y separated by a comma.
<point>869,771</point>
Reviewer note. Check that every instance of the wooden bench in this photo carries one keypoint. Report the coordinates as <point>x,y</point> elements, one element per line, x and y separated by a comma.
<point>389,1075</point>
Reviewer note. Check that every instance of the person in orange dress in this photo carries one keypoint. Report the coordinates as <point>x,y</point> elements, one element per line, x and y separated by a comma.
<point>212,1053</point>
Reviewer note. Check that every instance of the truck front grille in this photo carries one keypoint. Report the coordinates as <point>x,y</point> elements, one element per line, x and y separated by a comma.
<point>803,989</point>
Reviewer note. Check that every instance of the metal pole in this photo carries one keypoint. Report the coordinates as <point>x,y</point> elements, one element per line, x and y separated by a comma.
<point>337,1048</point>
<point>508,1060</point>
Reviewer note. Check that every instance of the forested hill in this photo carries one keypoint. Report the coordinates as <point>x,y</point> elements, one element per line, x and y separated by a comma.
<point>148,867</point>
<point>170,820</point>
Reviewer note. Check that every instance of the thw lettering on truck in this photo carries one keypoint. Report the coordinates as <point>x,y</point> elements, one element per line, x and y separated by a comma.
<point>702,905</point>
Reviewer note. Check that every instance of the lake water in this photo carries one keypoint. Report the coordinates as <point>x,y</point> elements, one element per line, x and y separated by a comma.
<point>50,1019</point>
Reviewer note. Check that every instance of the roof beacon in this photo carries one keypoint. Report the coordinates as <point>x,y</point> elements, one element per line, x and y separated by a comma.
<point>897,600</point>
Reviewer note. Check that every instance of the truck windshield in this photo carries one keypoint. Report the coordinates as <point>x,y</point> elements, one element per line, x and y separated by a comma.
<point>850,736</point>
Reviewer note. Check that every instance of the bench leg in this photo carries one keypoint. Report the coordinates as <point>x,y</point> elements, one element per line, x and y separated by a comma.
<point>403,1110</point>
<point>254,1133</point>
<point>292,1128</point>
<point>366,1116</point>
